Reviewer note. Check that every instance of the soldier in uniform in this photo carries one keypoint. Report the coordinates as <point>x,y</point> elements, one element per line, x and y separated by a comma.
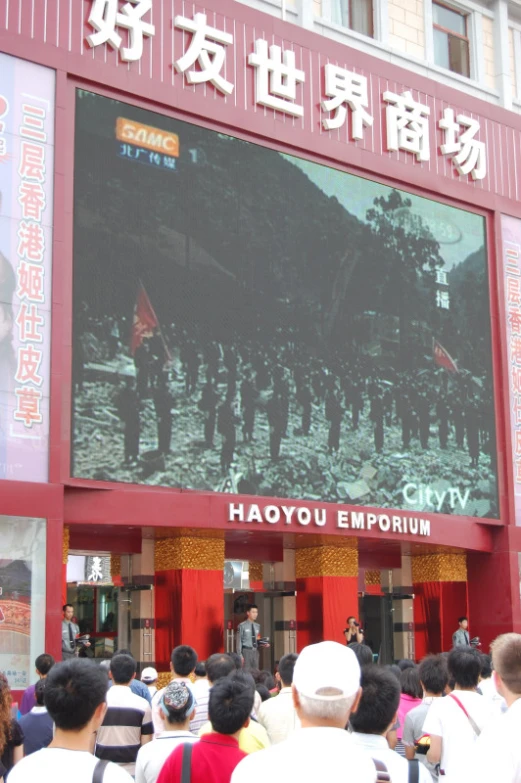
<point>275,412</point>
<point>230,362</point>
<point>458,417</point>
<point>281,390</point>
<point>192,368</point>
<point>163,405</point>
<point>248,396</point>
<point>377,417</point>
<point>406,416</point>
<point>212,356</point>
<point>357,403</point>
<point>304,397</point>
<point>127,406</point>
<point>142,364</point>
<point>423,408</point>
<point>226,421</point>
<point>443,412</point>
<point>248,634</point>
<point>208,405</point>
<point>334,412</point>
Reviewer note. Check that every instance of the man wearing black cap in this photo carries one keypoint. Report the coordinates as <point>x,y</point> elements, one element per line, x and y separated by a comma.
<point>178,707</point>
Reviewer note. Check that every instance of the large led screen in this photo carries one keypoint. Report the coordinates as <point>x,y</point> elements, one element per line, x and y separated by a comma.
<point>247,321</point>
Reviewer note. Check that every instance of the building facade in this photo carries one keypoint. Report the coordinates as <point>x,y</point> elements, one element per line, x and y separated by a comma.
<point>260,324</point>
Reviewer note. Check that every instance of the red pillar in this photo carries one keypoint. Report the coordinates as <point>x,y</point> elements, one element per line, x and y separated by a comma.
<point>494,601</point>
<point>440,597</point>
<point>189,595</point>
<point>327,591</point>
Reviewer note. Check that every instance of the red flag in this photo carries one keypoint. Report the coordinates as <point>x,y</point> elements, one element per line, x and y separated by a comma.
<point>443,358</point>
<point>145,320</point>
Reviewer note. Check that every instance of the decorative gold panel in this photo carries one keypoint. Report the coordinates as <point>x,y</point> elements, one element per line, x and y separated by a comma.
<point>189,552</point>
<point>439,568</point>
<point>115,565</point>
<point>373,578</point>
<point>326,561</point>
<point>163,678</point>
<point>256,571</point>
<point>65,544</point>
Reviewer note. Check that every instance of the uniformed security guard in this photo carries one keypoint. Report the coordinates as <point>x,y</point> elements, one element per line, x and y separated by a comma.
<point>69,633</point>
<point>248,634</point>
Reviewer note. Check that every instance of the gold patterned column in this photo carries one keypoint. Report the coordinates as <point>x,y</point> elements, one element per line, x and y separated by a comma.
<point>256,572</point>
<point>65,544</point>
<point>329,560</point>
<point>115,569</point>
<point>189,595</point>
<point>440,590</point>
<point>327,589</point>
<point>439,568</point>
<point>190,549</point>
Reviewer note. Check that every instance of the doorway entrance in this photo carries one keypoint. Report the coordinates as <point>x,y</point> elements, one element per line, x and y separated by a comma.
<point>383,632</point>
<point>272,605</point>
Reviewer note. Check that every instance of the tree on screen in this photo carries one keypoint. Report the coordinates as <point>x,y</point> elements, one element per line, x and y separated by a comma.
<point>407,257</point>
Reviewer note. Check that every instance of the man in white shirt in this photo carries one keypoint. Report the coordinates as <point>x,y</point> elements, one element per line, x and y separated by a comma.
<point>182,664</point>
<point>75,695</point>
<point>434,678</point>
<point>217,666</point>
<point>498,750</point>
<point>375,716</point>
<point>278,715</point>
<point>455,722</point>
<point>178,706</point>
<point>326,688</point>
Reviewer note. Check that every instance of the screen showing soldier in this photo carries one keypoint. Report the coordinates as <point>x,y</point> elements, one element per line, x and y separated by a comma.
<point>251,322</point>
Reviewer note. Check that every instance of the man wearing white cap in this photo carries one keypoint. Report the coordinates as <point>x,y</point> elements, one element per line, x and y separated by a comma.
<point>149,678</point>
<point>326,689</point>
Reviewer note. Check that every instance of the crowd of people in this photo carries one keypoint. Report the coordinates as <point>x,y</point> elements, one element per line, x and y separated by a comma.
<point>330,713</point>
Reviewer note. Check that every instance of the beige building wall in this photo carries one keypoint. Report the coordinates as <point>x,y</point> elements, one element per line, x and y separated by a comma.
<point>513,80</point>
<point>488,52</point>
<point>407,27</point>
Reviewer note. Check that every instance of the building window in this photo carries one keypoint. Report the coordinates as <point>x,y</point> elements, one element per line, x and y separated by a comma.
<point>357,15</point>
<point>451,43</point>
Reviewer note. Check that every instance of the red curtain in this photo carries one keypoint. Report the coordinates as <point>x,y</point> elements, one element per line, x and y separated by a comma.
<point>165,611</point>
<point>340,599</point>
<point>323,604</point>
<point>453,605</point>
<point>437,606</point>
<point>427,625</point>
<point>189,610</point>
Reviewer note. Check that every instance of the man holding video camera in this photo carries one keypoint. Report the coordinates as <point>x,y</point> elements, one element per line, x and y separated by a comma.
<point>353,632</point>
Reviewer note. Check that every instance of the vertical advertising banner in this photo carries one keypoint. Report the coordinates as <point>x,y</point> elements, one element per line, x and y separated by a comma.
<point>511,233</point>
<point>26,213</point>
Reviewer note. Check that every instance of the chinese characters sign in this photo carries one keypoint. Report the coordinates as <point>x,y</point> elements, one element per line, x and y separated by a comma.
<point>279,82</point>
<point>26,193</point>
<point>511,232</point>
